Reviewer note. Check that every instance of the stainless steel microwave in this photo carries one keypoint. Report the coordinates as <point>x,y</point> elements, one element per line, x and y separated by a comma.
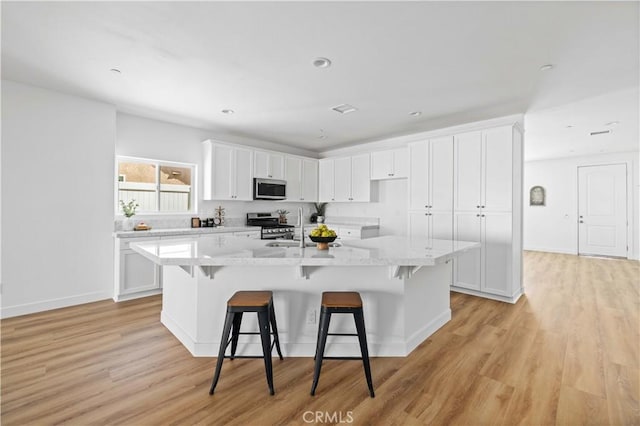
<point>269,189</point>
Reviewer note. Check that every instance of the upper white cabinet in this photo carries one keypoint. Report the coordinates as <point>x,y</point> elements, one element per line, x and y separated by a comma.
<point>301,175</point>
<point>390,164</point>
<point>326,180</point>
<point>431,174</point>
<point>484,170</point>
<point>227,172</point>
<point>345,179</point>
<point>268,165</point>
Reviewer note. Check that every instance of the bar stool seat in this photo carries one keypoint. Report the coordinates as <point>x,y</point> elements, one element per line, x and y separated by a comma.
<point>260,302</point>
<point>341,302</point>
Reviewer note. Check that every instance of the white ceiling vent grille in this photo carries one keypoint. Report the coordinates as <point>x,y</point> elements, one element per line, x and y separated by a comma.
<point>344,108</point>
<point>602,132</point>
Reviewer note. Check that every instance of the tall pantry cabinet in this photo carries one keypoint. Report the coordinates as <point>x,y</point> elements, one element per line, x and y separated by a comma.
<point>431,188</point>
<point>487,209</point>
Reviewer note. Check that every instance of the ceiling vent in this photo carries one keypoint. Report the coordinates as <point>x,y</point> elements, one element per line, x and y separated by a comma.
<point>602,132</point>
<point>344,108</point>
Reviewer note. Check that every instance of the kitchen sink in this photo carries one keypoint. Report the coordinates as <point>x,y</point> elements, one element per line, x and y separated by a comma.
<point>289,243</point>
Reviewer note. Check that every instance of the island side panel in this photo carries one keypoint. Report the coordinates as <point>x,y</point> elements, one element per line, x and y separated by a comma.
<point>427,304</point>
<point>179,303</point>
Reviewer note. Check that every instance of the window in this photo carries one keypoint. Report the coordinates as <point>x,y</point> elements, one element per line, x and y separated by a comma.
<point>156,186</point>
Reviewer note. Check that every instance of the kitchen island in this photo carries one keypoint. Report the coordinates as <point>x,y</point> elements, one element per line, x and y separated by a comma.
<point>404,284</point>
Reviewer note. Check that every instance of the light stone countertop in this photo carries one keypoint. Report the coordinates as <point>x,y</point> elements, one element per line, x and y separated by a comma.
<point>184,231</point>
<point>231,250</point>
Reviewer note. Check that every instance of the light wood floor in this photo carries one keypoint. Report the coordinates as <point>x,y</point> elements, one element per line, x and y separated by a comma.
<point>567,353</point>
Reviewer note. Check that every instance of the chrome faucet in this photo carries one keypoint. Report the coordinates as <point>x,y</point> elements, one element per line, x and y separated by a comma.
<point>301,227</point>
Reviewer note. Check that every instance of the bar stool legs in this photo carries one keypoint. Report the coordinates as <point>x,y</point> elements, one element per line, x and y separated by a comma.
<point>261,303</point>
<point>341,303</point>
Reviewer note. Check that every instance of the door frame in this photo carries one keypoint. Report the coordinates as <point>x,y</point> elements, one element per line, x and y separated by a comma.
<point>629,205</point>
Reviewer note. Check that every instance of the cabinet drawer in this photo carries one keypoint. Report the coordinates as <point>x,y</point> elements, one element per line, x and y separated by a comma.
<point>349,233</point>
<point>248,234</point>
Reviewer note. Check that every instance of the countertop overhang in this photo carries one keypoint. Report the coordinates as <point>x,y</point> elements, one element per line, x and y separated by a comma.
<point>227,250</point>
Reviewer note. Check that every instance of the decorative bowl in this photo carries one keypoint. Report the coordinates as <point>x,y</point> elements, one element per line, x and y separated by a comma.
<point>322,243</point>
<point>322,239</point>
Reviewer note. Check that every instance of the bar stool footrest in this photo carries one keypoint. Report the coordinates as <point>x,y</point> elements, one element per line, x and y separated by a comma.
<point>353,358</point>
<point>342,334</point>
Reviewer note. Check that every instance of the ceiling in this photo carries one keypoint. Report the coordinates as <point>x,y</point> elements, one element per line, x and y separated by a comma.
<point>455,62</point>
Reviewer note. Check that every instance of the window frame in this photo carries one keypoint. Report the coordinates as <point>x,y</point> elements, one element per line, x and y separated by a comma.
<point>193,200</point>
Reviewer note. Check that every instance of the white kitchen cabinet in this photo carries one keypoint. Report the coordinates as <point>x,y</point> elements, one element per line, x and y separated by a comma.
<point>326,180</point>
<point>134,275</point>
<point>487,200</point>
<point>431,175</point>
<point>438,225</point>
<point>253,235</point>
<point>301,175</point>
<point>484,170</point>
<point>227,172</point>
<point>268,165</point>
<point>390,164</point>
<point>345,179</point>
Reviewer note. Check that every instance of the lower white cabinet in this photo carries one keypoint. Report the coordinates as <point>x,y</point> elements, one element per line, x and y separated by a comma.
<point>489,269</point>
<point>438,225</point>
<point>253,235</point>
<point>135,276</point>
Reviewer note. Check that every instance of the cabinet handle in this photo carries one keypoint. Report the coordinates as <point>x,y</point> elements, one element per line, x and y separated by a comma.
<point>582,221</point>
<point>478,215</point>
<point>481,215</point>
<point>426,214</point>
<point>477,207</point>
<point>482,207</point>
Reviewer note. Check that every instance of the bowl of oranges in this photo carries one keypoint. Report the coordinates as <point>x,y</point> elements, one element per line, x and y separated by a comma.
<point>322,235</point>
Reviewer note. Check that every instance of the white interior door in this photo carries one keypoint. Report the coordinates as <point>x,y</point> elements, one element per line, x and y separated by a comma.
<point>602,210</point>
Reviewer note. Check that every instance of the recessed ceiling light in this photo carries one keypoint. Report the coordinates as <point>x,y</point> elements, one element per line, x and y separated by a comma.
<point>612,123</point>
<point>321,63</point>
<point>344,108</point>
<point>228,111</point>
<point>571,150</point>
<point>115,71</point>
<point>415,113</point>
<point>546,67</point>
<point>570,126</point>
<point>322,137</point>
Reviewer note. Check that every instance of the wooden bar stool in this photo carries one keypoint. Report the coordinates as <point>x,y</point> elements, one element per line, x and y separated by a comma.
<point>260,302</point>
<point>344,302</point>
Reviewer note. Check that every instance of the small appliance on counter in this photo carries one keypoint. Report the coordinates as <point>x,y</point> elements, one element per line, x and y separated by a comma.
<point>271,228</point>
<point>195,222</point>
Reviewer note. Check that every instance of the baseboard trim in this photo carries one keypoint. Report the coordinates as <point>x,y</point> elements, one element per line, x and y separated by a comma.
<point>147,293</point>
<point>550,250</point>
<point>180,334</point>
<point>47,305</point>
<point>507,299</point>
<point>423,334</point>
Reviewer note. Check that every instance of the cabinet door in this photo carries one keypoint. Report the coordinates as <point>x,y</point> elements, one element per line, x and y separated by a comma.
<point>467,171</point>
<point>309,180</point>
<point>261,164</point>
<point>276,166</point>
<point>137,273</point>
<point>381,165</point>
<point>441,225</point>
<point>467,267</point>
<point>400,163</point>
<point>294,178</point>
<point>242,174</point>
<point>342,179</point>
<point>418,224</point>
<point>418,175</point>
<point>497,173</point>
<point>440,170</point>
<point>497,250</point>
<point>326,179</point>
<point>222,172</point>
<point>360,178</point>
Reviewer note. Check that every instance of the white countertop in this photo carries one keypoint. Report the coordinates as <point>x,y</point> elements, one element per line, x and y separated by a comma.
<point>231,250</point>
<point>184,231</point>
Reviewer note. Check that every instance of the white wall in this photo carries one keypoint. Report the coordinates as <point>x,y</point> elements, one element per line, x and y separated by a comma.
<point>147,138</point>
<point>554,227</point>
<point>57,189</point>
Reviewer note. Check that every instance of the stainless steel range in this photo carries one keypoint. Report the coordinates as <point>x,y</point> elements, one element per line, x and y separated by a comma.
<point>271,227</point>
